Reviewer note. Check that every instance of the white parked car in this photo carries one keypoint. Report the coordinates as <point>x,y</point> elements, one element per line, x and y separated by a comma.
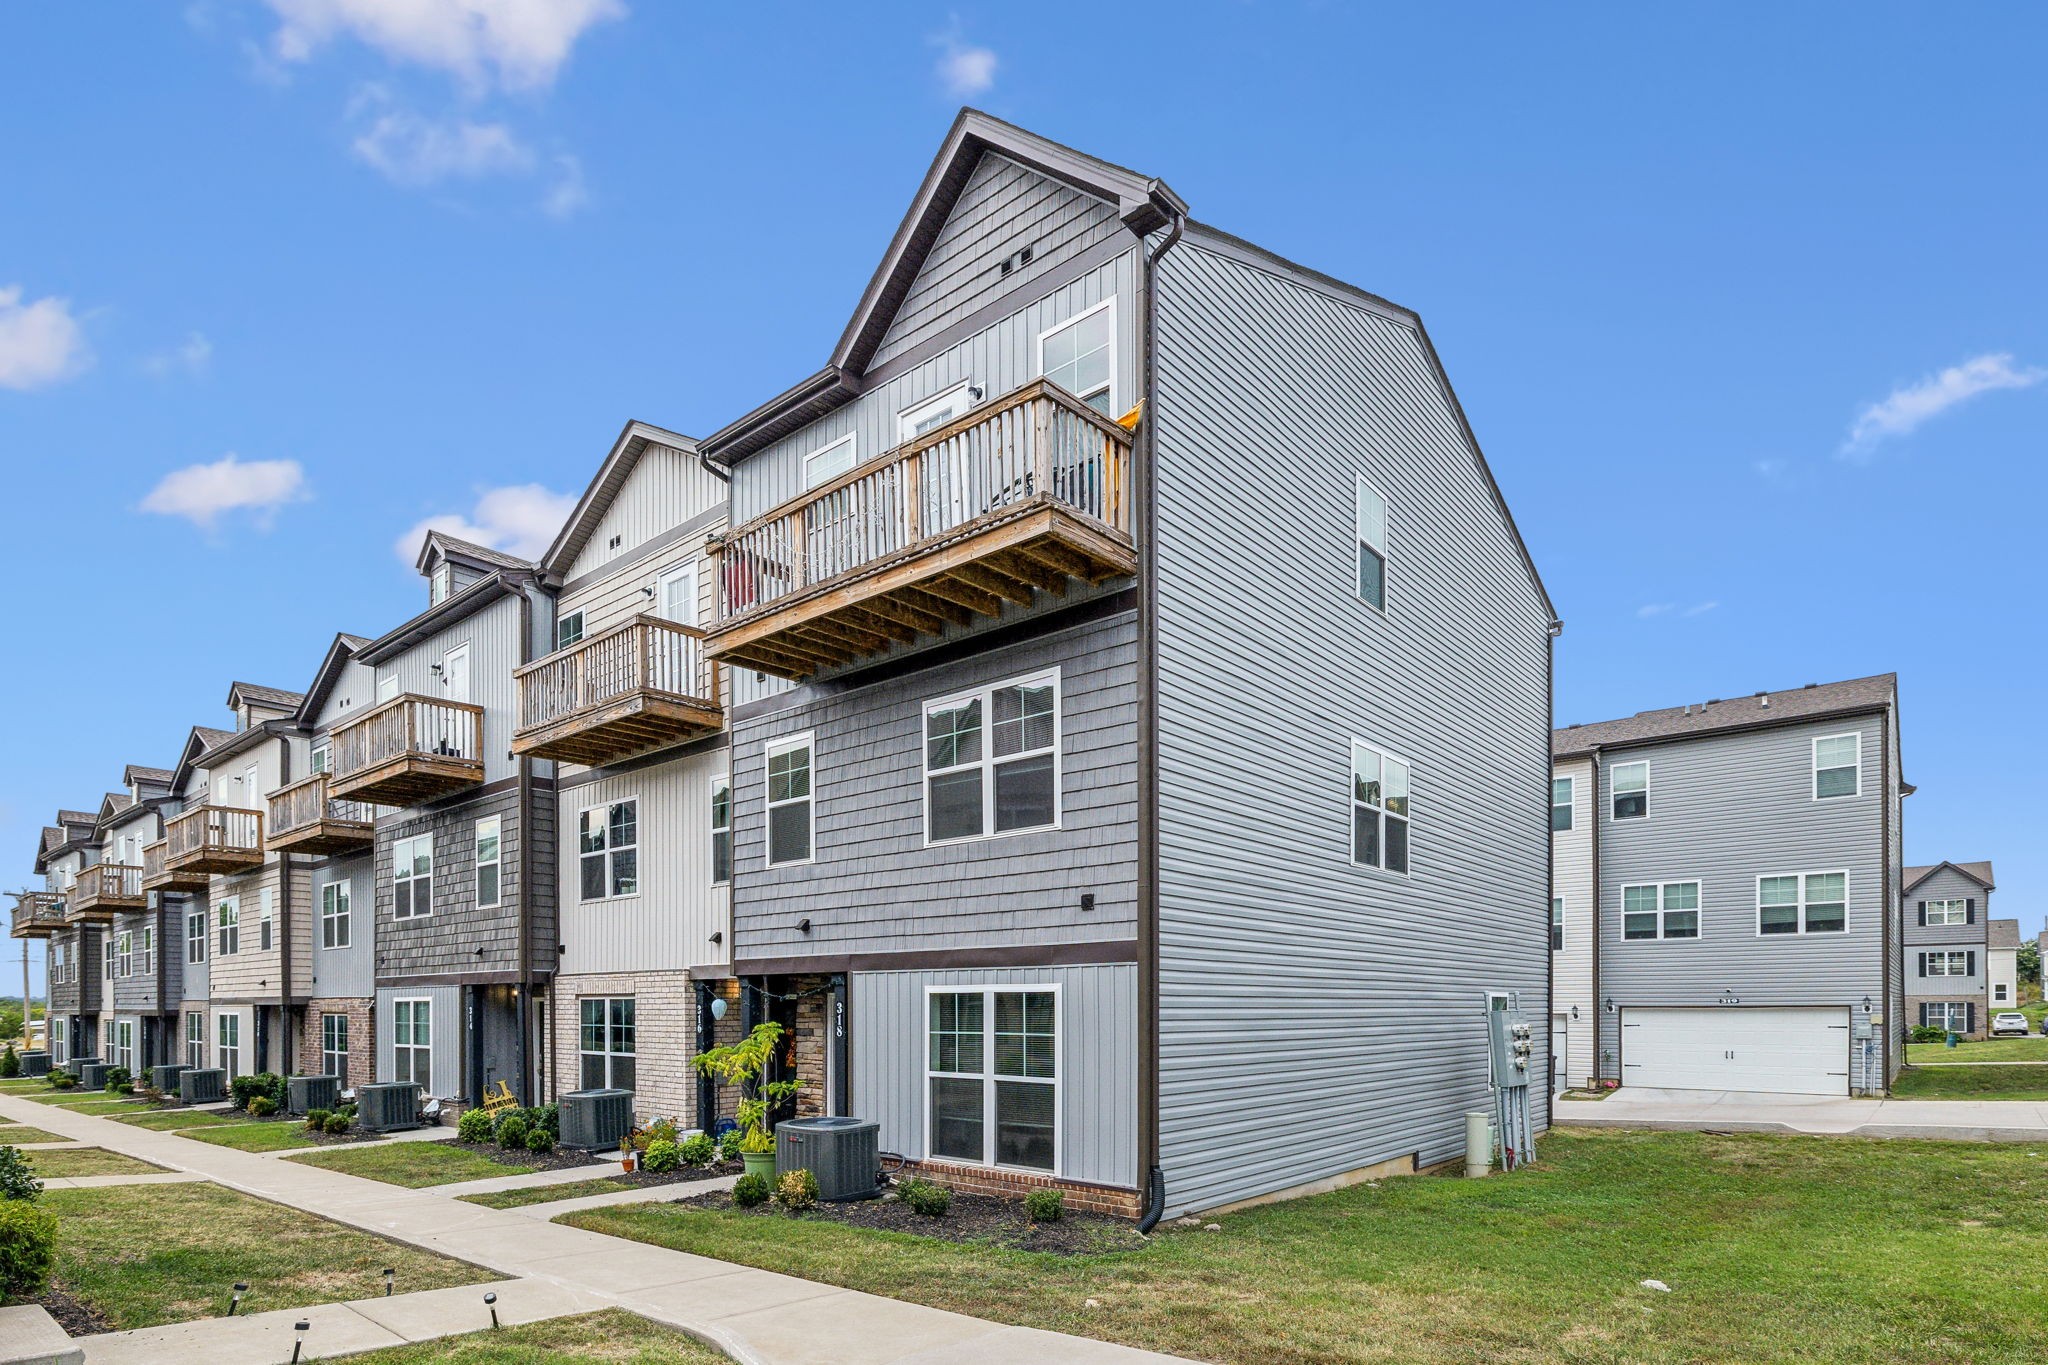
<point>2008,1022</point>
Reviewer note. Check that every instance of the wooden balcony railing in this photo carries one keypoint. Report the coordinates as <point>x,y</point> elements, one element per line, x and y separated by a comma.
<point>641,684</point>
<point>104,889</point>
<point>408,750</point>
<point>1021,495</point>
<point>38,914</point>
<point>305,818</point>
<point>157,875</point>
<point>214,840</point>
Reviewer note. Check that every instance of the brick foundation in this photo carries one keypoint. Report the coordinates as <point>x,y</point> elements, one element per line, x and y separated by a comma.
<point>1106,1199</point>
<point>1984,1011</point>
<point>813,1019</point>
<point>362,1038</point>
<point>665,1038</point>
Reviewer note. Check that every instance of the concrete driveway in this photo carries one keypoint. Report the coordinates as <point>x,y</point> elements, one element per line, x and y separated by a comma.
<point>1736,1111</point>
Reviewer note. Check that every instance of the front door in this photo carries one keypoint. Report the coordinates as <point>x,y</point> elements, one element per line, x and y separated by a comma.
<point>1560,1045</point>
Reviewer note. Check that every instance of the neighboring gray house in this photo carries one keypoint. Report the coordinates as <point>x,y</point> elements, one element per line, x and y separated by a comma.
<point>1945,923</point>
<point>148,981</point>
<point>1139,692</point>
<point>1745,854</point>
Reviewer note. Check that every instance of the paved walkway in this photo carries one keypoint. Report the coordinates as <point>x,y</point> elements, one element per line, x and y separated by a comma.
<point>755,1316</point>
<point>1748,1112</point>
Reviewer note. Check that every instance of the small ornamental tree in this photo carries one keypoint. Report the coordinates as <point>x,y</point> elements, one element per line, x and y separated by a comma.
<point>742,1064</point>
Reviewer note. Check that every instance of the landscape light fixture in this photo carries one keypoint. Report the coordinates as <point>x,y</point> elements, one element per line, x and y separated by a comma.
<point>718,1007</point>
<point>491,1302</point>
<point>299,1343</point>
<point>241,1288</point>
<point>388,1273</point>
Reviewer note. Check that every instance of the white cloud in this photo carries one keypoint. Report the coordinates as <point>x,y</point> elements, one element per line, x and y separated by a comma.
<point>963,68</point>
<point>567,195</point>
<point>1649,609</point>
<point>410,149</point>
<point>1768,469</point>
<point>201,493</point>
<point>521,520</point>
<point>1905,408</point>
<point>190,356</point>
<point>516,44</point>
<point>41,343</point>
<point>1699,609</point>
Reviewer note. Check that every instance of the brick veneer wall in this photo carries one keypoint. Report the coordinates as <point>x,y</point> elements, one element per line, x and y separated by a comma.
<point>1984,1012</point>
<point>813,1020</point>
<point>362,1041</point>
<point>1109,1199</point>
<point>665,1038</point>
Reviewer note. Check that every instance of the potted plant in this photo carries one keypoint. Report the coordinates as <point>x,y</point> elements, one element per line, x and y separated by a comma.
<point>741,1064</point>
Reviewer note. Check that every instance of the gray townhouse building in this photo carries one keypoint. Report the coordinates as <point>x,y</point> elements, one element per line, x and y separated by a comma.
<point>1959,963</point>
<point>183,891</point>
<point>146,984</point>
<point>1137,699</point>
<point>71,940</point>
<point>1722,893</point>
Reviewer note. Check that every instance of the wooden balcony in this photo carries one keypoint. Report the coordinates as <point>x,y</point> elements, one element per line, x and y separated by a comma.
<point>638,686</point>
<point>38,914</point>
<point>1024,495</point>
<point>304,818</point>
<point>408,750</point>
<point>104,890</point>
<point>214,840</point>
<point>157,875</point>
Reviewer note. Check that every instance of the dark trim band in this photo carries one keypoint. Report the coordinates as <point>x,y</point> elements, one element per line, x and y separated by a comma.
<point>945,959</point>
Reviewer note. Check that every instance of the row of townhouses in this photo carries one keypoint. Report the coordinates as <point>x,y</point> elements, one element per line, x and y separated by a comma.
<point>1102,703</point>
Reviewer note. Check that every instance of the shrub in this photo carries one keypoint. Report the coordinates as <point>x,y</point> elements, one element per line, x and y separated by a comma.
<point>316,1119</point>
<point>17,1177</point>
<point>1927,1033</point>
<point>10,1064</point>
<point>661,1130</point>
<point>548,1116</point>
<point>924,1197</point>
<point>539,1139</point>
<point>62,1080</point>
<point>512,1132</point>
<point>152,1094</point>
<point>797,1190</point>
<point>267,1084</point>
<point>750,1190</point>
<point>661,1157</point>
<point>28,1247</point>
<point>698,1150</point>
<point>262,1106</point>
<point>337,1124</point>
<point>120,1080</point>
<point>1045,1206</point>
<point>729,1145</point>
<point>474,1126</point>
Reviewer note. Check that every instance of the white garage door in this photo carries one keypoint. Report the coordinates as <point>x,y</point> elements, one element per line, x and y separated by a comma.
<point>1795,1051</point>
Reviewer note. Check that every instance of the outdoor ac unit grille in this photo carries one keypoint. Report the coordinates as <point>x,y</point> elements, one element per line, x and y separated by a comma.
<point>305,1093</point>
<point>92,1075</point>
<point>205,1085</point>
<point>388,1107</point>
<point>843,1153</point>
<point>165,1078</point>
<point>35,1063</point>
<point>596,1120</point>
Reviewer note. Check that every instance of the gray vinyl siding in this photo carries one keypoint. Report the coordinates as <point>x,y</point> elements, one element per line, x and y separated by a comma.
<point>1946,884</point>
<point>338,972</point>
<point>492,634</point>
<point>195,977</point>
<point>446,1033</point>
<point>139,992</point>
<point>874,885</point>
<point>666,488</point>
<point>354,692</point>
<point>1974,983</point>
<point>1571,880</point>
<point>1284,970</point>
<point>1098,1078</point>
<point>1724,811</point>
<point>460,937</point>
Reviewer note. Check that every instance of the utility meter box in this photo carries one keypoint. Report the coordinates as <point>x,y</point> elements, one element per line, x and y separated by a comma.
<point>1511,1044</point>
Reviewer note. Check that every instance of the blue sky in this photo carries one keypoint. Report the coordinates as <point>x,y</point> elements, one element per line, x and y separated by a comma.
<point>1747,306</point>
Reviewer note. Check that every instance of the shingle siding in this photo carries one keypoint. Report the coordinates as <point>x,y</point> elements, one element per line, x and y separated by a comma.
<point>459,938</point>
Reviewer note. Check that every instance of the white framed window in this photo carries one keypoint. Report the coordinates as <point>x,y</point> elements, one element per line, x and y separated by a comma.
<point>321,759</point>
<point>1079,355</point>
<point>126,953</point>
<point>124,1044</point>
<point>607,1042</point>
<point>991,760</point>
<point>1632,790</point>
<point>1660,910</point>
<point>1556,923</point>
<point>1948,912</point>
<point>569,630</point>
<point>439,582</point>
<point>934,413</point>
<point>334,1046</point>
<point>1379,808</point>
<point>1560,804</point>
<point>675,593</point>
<point>227,923</point>
<point>336,928</point>
<point>608,851</point>
<point>789,800</point>
<point>107,1043</point>
<point>992,1076</point>
<point>195,937</point>
<point>1960,962</point>
<point>58,1052</point>
<point>145,949</point>
<point>412,1042</point>
<point>1371,512</point>
<point>1803,903</point>
<point>1837,766</point>
<point>387,687</point>
<point>488,861</point>
<point>228,1043</point>
<point>1952,1015</point>
<point>195,1041</point>
<point>107,962</point>
<point>412,877</point>
<point>828,462</point>
<point>2000,993</point>
<point>266,915</point>
<point>721,830</point>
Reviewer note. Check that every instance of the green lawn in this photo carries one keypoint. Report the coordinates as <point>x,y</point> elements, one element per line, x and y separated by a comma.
<point>250,1137</point>
<point>69,1161</point>
<point>106,1104</point>
<point>2034,1049</point>
<point>413,1164</point>
<point>548,1194</point>
<point>149,1254</point>
<point>615,1337</point>
<point>1775,1249</point>
<point>165,1119</point>
<point>15,1134</point>
<point>1972,1083</point>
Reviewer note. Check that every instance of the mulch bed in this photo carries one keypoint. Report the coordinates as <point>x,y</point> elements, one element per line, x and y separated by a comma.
<point>688,1175</point>
<point>975,1218</point>
<point>73,1314</point>
<point>299,1122</point>
<point>561,1159</point>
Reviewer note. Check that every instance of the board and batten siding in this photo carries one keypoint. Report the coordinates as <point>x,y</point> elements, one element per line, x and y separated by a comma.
<point>492,634</point>
<point>336,972</point>
<point>666,488</point>
<point>446,1026</point>
<point>1098,1075</point>
<point>1285,970</point>
<point>875,885</point>
<point>1571,880</point>
<point>1725,810</point>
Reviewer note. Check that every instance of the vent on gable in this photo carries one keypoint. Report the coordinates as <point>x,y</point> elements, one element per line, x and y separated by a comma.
<point>614,542</point>
<point>1016,260</point>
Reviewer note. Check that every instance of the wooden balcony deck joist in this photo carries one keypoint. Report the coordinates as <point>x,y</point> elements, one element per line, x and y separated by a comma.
<point>103,891</point>
<point>641,685</point>
<point>408,750</point>
<point>214,841</point>
<point>158,876</point>
<point>38,914</point>
<point>412,779</point>
<point>621,729</point>
<point>306,818</point>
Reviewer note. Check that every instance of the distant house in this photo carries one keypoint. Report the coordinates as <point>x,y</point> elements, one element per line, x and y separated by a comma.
<point>1945,924</point>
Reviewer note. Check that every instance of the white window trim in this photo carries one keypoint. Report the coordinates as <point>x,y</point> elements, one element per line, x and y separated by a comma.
<point>852,443</point>
<point>1038,348</point>
<point>1571,802</point>
<point>988,1074</point>
<point>2001,993</point>
<point>804,740</point>
<point>320,757</point>
<point>433,872</point>
<point>1385,546</point>
<point>987,764</point>
<point>608,1055</point>
<point>639,863</point>
<point>1818,740</point>
<point>1962,905</point>
<point>343,914</point>
<point>722,781</point>
<point>1700,912</point>
<point>205,917</point>
<point>909,417</point>
<point>1945,954</point>
<point>563,620</point>
<point>221,923</point>
<point>1612,791</point>
<point>222,1049</point>
<point>266,919</point>
<point>125,952</point>
<point>1557,935</point>
<point>1801,904</point>
<point>681,568</point>
<point>1352,804</point>
<point>426,1087</point>
<point>478,864</point>
<point>348,1045</point>
<point>146,937</point>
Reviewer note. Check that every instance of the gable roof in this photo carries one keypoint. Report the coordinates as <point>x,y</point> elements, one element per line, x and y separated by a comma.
<point>2001,933</point>
<point>1815,701</point>
<point>448,547</point>
<point>1978,872</point>
<point>343,648</point>
<point>148,777</point>
<point>454,607</point>
<point>201,739</point>
<point>633,442</point>
<point>274,697</point>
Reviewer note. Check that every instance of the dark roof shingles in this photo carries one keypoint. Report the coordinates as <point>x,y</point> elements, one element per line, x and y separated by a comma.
<point>1728,714</point>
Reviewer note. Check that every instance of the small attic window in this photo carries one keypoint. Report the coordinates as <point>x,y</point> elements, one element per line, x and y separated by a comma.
<point>439,582</point>
<point>614,542</point>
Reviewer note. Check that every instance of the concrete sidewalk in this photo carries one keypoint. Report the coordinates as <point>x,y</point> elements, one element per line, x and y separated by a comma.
<point>1749,1112</point>
<point>755,1316</point>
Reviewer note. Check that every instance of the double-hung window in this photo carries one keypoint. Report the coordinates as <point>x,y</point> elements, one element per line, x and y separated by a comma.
<point>126,939</point>
<point>569,630</point>
<point>608,1042</point>
<point>1837,766</point>
<point>145,949</point>
<point>1660,910</point>
<point>487,860</point>
<point>721,830</point>
<point>827,463</point>
<point>195,1041</point>
<point>334,1046</point>
<point>1631,790</point>
<point>412,1042</point>
<point>1957,963</point>
<point>322,758</point>
<point>1079,355</point>
<point>789,800</point>
<point>266,915</point>
<point>1952,1015</point>
<point>1560,804</point>
<point>124,1043</point>
<point>107,957</point>
<point>1379,808</point>
<point>227,923</point>
<point>412,876</point>
<point>228,1043</point>
<point>991,760</point>
<point>1556,923</point>
<point>195,936</point>
<point>1372,546</point>
<point>992,1073</point>
<point>336,931</point>
<point>1948,912</point>
<point>608,851</point>
<point>1808,903</point>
